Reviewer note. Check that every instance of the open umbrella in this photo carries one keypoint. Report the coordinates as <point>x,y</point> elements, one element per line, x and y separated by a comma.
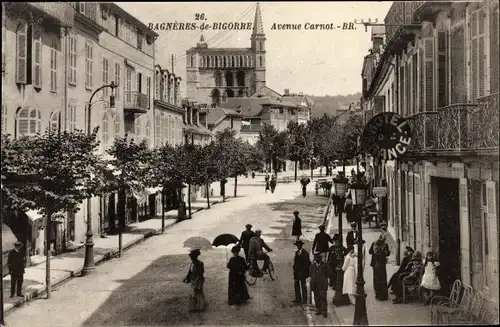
<point>225,240</point>
<point>197,243</point>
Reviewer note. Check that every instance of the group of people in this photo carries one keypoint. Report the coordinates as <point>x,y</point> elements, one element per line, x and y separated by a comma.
<point>271,182</point>
<point>253,246</point>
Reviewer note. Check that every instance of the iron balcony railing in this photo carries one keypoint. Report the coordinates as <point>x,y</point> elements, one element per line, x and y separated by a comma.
<point>135,101</point>
<point>457,127</point>
<point>251,128</point>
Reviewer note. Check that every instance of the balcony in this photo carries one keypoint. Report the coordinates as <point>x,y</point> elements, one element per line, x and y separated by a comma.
<point>400,26</point>
<point>135,102</point>
<point>53,13</point>
<point>458,129</point>
<point>428,10</point>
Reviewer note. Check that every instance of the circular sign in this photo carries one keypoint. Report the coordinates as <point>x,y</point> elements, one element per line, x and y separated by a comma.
<point>386,136</point>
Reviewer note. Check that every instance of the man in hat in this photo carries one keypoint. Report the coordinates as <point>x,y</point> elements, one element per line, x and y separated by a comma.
<point>403,268</point>
<point>255,251</point>
<point>417,269</point>
<point>319,273</point>
<point>301,266</point>
<point>16,262</point>
<point>297,225</point>
<point>245,237</point>
<point>352,235</point>
<point>336,258</point>
<point>320,243</point>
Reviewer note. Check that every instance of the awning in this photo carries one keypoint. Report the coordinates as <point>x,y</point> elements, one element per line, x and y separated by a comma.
<point>33,215</point>
<point>153,190</point>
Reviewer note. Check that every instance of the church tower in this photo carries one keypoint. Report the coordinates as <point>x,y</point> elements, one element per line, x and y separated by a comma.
<point>258,40</point>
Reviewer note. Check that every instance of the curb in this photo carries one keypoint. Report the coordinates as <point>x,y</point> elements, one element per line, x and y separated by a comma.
<point>98,259</point>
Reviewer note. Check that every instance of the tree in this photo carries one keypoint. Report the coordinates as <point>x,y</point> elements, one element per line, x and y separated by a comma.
<point>225,151</point>
<point>208,164</point>
<point>265,143</point>
<point>64,164</point>
<point>300,143</point>
<point>274,144</point>
<point>347,147</point>
<point>128,172</point>
<point>324,132</point>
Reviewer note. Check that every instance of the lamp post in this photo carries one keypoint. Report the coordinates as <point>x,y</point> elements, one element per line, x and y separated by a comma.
<point>340,185</point>
<point>358,192</point>
<point>89,264</point>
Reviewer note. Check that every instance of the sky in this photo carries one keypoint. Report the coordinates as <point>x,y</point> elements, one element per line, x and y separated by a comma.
<point>310,61</point>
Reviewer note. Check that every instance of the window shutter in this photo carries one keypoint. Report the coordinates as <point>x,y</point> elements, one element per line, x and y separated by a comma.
<point>464,230</point>
<point>457,51</point>
<point>474,55</point>
<point>481,53</point>
<point>494,52</point>
<point>442,70</point>
<point>37,60</point>
<point>492,196</point>
<point>21,54</point>
<point>401,90</point>
<point>429,74</point>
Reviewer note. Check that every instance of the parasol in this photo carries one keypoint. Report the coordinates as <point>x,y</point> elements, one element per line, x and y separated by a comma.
<point>197,243</point>
<point>225,240</point>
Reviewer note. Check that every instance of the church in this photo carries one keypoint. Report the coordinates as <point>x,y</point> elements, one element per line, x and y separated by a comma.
<point>216,74</point>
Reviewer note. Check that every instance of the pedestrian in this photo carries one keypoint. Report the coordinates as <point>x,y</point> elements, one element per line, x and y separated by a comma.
<point>380,253</point>
<point>273,183</point>
<point>301,266</point>
<point>304,181</point>
<point>407,254</point>
<point>245,237</point>
<point>297,225</point>
<point>253,174</point>
<point>255,251</point>
<point>416,270</point>
<point>349,209</point>
<point>15,263</point>
<point>336,258</point>
<point>267,182</point>
<point>430,280</point>
<point>352,235</point>
<point>237,292</point>
<point>195,277</point>
<point>350,269</point>
<point>320,243</point>
<point>319,273</point>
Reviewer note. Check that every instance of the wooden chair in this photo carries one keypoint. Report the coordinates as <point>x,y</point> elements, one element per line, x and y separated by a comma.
<point>464,304</point>
<point>459,316</point>
<point>412,290</point>
<point>454,297</point>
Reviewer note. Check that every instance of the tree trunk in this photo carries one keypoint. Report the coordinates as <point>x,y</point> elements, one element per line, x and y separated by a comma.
<point>312,170</point>
<point>189,199</point>
<point>223,190</point>
<point>235,184</point>
<point>163,210</point>
<point>122,203</point>
<point>48,226</point>
<point>295,170</point>
<point>208,195</point>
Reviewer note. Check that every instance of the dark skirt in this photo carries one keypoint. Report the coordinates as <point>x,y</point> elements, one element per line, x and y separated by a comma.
<point>380,281</point>
<point>237,291</point>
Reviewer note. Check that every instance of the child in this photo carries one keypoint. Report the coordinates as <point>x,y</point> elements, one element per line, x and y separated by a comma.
<point>430,281</point>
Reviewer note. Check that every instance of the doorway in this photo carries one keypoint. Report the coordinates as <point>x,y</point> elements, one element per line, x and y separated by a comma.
<point>449,231</point>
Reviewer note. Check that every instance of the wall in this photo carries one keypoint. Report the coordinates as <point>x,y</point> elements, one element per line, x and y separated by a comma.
<point>226,123</point>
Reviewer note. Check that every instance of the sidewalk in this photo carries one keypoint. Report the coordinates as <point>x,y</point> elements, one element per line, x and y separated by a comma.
<point>69,264</point>
<point>379,312</point>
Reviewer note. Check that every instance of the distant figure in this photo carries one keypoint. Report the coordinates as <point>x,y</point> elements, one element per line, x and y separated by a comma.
<point>253,174</point>
<point>297,225</point>
<point>272,183</point>
<point>237,289</point>
<point>304,181</point>
<point>16,262</point>
<point>196,278</point>
<point>352,235</point>
<point>245,237</point>
<point>267,182</point>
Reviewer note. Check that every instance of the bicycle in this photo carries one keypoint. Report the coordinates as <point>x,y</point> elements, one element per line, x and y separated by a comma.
<point>254,272</point>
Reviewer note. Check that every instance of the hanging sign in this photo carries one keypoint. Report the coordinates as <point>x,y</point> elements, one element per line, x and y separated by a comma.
<point>386,136</point>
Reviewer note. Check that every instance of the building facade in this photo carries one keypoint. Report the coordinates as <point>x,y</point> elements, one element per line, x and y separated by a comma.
<point>216,74</point>
<point>443,192</point>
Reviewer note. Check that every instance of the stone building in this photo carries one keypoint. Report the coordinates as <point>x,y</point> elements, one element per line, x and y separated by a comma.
<point>439,69</point>
<point>216,74</point>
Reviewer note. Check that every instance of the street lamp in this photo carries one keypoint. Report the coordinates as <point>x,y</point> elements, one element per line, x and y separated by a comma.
<point>340,186</point>
<point>89,263</point>
<point>358,193</point>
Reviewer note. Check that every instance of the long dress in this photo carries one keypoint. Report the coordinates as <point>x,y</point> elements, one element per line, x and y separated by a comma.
<point>237,292</point>
<point>379,261</point>
<point>197,300</point>
<point>350,271</point>
<point>430,279</point>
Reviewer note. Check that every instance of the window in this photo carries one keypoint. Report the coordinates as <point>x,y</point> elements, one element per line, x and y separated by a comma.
<point>118,72</point>
<point>55,122</point>
<point>28,122</point>
<point>148,90</point>
<point>21,54</point>
<point>117,26</point>
<point>260,61</point>
<point>81,7</point>
<point>139,83</point>
<point>128,85</point>
<point>37,60</point>
<point>163,128</point>
<point>478,54</point>
<point>192,61</point>
<point>157,130</point>
<point>171,130</point>
<point>442,71</point>
<point>117,125</point>
<point>72,60</point>
<point>53,67</point>
<point>140,39</point>
<point>105,77</point>
<point>138,129</point>
<point>72,117</point>
<point>89,57</point>
<point>105,130</point>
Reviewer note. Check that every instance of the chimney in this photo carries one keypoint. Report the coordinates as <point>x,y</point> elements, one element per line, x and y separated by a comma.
<point>287,92</point>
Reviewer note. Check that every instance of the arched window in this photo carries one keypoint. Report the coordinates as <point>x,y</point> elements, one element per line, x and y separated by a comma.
<point>240,78</point>
<point>250,61</point>
<point>37,60</point>
<point>224,61</point>
<point>215,97</point>
<point>158,85</point>
<point>241,61</point>
<point>220,61</point>
<point>28,122</point>
<point>105,130</point>
<point>209,63</point>
<point>192,61</point>
<point>229,78</point>
<point>118,126</point>
<point>157,130</point>
<point>55,122</point>
<point>233,61</point>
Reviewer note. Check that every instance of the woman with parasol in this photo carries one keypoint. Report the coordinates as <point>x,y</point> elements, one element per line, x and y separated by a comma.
<point>195,277</point>
<point>237,289</point>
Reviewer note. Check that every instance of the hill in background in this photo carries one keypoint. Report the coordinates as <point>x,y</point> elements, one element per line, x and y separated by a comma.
<point>330,104</point>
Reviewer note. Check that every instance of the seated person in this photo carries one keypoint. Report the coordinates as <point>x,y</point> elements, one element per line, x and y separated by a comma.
<point>416,271</point>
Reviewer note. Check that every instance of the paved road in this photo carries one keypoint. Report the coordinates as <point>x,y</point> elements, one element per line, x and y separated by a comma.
<point>145,287</point>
